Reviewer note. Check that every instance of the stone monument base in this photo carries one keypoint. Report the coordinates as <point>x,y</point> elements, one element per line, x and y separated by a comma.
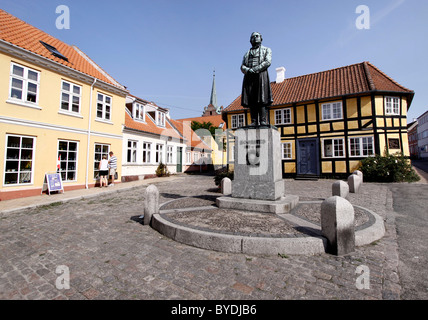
<point>261,190</point>
<point>283,205</point>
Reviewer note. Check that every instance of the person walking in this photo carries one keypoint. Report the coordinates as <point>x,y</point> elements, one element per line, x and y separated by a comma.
<point>112,164</point>
<point>103,167</point>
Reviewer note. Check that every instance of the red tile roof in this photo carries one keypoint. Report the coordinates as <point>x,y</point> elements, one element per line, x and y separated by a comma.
<point>216,120</point>
<point>192,138</point>
<point>25,36</point>
<point>354,79</point>
<point>150,127</point>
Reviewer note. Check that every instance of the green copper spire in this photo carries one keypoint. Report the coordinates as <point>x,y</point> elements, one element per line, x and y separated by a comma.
<point>213,99</point>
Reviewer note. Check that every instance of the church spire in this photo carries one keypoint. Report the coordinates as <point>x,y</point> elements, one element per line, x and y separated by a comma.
<point>213,99</point>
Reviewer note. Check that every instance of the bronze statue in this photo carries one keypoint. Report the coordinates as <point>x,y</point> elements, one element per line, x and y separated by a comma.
<point>256,90</point>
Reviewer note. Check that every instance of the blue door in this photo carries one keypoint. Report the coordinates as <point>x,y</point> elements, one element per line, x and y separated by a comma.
<point>307,157</point>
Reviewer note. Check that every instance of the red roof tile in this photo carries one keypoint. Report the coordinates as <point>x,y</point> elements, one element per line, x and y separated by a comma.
<point>192,138</point>
<point>150,127</point>
<point>353,79</point>
<point>216,120</point>
<point>25,36</point>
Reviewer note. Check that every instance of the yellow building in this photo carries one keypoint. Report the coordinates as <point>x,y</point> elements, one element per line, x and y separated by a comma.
<point>331,120</point>
<point>59,112</point>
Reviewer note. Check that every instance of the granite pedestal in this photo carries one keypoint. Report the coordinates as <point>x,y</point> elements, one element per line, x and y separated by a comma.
<point>258,184</point>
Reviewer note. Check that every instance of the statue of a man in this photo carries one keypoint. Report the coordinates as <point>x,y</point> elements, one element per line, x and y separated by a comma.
<point>256,90</point>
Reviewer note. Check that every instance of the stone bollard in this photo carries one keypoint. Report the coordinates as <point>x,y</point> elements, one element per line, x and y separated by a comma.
<point>359,173</point>
<point>354,183</point>
<point>337,225</point>
<point>340,188</point>
<point>151,203</point>
<point>226,186</point>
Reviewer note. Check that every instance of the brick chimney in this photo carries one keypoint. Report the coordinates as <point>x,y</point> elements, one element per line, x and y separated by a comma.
<point>280,74</point>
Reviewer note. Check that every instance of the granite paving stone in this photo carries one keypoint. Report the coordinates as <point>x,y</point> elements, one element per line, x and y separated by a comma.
<point>110,255</point>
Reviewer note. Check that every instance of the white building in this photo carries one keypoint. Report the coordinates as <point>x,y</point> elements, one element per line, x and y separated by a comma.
<point>149,139</point>
<point>423,135</point>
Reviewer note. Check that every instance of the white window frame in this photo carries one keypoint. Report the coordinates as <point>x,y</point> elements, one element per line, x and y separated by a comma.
<point>141,112</point>
<point>26,81</point>
<point>188,157</point>
<point>19,160</point>
<point>237,120</point>
<point>334,148</point>
<point>160,118</point>
<point>169,154</point>
<point>131,151</point>
<point>67,161</point>
<point>71,95</point>
<point>361,151</point>
<point>147,152</point>
<point>328,111</point>
<point>284,115</point>
<point>196,157</point>
<point>159,153</point>
<point>392,106</point>
<point>101,153</point>
<point>286,151</point>
<point>106,107</point>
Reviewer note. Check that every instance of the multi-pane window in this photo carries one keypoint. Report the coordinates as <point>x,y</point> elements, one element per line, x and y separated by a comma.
<point>283,116</point>
<point>392,105</point>
<point>286,150</point>
<point>24,84</point>
<point>100,151</point>
<point>131,156</point>
<point>196,157</point>
<point>138,112</point>
<point>333,148</point>
<point>146,152</point>
<point>188,157</point>
<point>103,107</point>
<point>361,146</point>
<point>160,119</point>
<point>238,120</point>
<point>169,154</point>
<point>19,160</point>
<point>67,159</point>
<point>332,111</point>
<point>70,97</point>
<point>159,153</point>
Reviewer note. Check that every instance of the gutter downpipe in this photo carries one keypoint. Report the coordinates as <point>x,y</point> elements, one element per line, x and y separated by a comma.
<point>89,134</point>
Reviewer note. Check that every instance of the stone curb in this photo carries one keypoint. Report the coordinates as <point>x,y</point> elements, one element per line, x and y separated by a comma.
<point>217,241</point>
<point>238,244</point>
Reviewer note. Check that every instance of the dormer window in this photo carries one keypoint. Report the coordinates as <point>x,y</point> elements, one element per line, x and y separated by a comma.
<point>160,119</point>
<point>138,112</point>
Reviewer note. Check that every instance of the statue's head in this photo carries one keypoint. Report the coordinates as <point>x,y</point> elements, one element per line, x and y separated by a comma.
<point>256,38</point>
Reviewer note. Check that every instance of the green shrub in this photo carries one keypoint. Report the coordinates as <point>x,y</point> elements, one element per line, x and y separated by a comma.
<point>391,168</point>
<point>220,174</point>
<point>162,170</point>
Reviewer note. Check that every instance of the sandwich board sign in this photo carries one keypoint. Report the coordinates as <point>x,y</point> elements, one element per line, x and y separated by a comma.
<point>53,182</point>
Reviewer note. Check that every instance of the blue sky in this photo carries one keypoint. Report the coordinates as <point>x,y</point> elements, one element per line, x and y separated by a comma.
<point>166,50</point>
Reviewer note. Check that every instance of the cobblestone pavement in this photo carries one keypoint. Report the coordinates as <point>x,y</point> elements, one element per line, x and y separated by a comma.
<point>110,255</point>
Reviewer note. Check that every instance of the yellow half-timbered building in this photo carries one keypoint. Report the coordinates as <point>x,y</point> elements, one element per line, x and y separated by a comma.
<point>331,120</point>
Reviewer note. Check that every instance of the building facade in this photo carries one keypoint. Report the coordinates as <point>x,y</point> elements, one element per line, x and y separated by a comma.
<point>149,139</point>
<point>423,135</point>
<point>412,133</point>
<point>329,121</point>
<point>59,112</point>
